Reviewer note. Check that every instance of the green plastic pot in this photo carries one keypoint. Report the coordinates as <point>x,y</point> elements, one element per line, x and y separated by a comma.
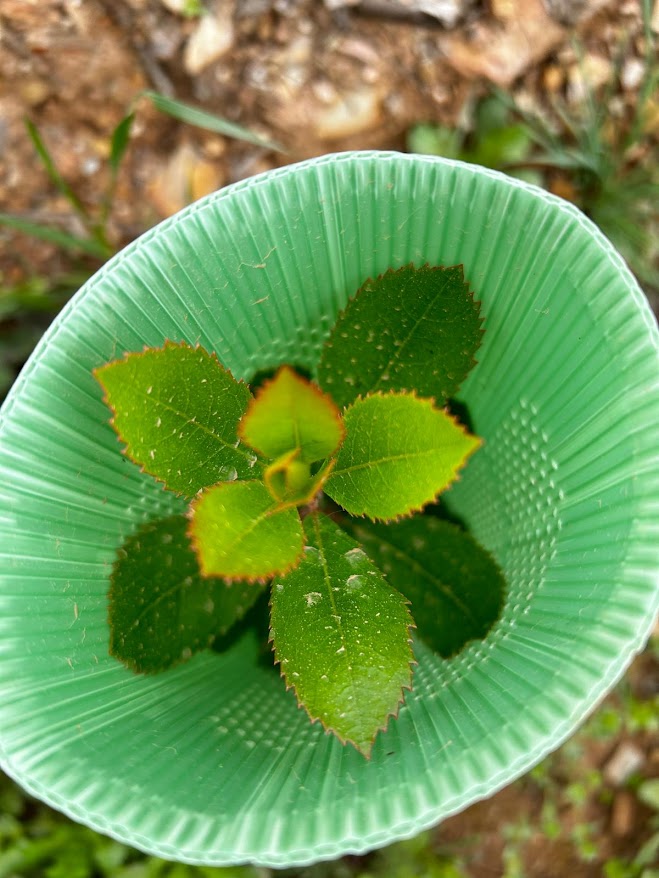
<point>212,762</point>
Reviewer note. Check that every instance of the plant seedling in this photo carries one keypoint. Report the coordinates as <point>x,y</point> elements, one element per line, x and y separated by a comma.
<point>316,487</point>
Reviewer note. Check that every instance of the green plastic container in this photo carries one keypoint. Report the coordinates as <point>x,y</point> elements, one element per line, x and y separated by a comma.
<point>212,762</point>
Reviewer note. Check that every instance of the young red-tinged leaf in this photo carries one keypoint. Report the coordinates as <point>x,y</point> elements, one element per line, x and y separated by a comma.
<point>240,532</point>
<point>410,329</point>
<point>161,610</point>
<point>341,634</point>
<point>398,454</point>
<point>290,412</point>
<point>290,481</point>
<point>177,410</point>
<point>455,587</point>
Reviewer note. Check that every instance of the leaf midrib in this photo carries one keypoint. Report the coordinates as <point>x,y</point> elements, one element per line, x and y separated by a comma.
<point>384,460</point>
<point>335,614</point>
<point>397,352</point>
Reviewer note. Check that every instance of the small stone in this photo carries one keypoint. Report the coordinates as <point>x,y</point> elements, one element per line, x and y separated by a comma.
<point>587,76</point>
<point>185,177</point>
<point>553,78</point>
<point>212,38</point>
<point>566,12</point>
<point>504,10</point>
<point>623,814</point>
<point>34,92</point>
<point>627,759</point>
<point>325,91</point>
<point>632,74</point>
<point>354,112</point>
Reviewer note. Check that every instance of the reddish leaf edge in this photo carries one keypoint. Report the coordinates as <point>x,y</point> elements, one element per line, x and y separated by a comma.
<point>251,580</point>
<point>454,420</point>
<point>393,714</point>
<point>374,279</point>
<point>128,355</point>
<point>318,391</point>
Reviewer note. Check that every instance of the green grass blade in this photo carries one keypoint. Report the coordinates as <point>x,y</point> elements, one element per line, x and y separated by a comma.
<point>51,169</point>
<point>55,236</point>
<point>119,142</point>
<point>201,119</point>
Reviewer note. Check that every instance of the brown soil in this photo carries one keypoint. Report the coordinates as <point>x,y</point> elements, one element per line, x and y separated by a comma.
<point>317,77</point>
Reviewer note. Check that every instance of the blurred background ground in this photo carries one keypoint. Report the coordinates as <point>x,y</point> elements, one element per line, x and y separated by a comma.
<point>560,92</point>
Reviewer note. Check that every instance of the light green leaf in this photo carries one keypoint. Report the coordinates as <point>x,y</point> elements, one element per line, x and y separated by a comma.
<point>290,480</point>
<point>161,609</point>
<point>341,634</point>
<point>410,329</point>
<point>209,121</point>
<point>177,409</point>
<point>398,454</point>
<point>291,413</point>
<point>240,532</point>
<point>455,587</point>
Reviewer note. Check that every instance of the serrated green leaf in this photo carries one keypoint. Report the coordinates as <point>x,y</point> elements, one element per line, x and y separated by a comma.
<point>177,410</point>
<point>240,532</point>
<point>291,413</point>
<point>162,610</point>
<point>410,329</point>
<point>341,634</point>
<point>455,587</point>
<point>398,454</point>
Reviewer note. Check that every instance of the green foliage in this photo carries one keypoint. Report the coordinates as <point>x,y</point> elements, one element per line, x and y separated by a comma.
<point>167,404</point>
<point>290,413</point>
<point>398,454</point>
<point>411,329</point>
<point>95,242</point>
<point>341,634</point>
<point>209,121</point>
<point>257,468</point>
<point>240,531</point>
<point>162,610</point>
<point>489,136</point>
<point>610,162</point>
<point>455,587</point>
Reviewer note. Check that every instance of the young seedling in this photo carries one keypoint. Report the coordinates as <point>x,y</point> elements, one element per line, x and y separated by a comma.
<point>317,488</point>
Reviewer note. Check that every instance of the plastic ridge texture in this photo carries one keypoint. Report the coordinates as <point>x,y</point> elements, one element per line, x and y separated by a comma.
<point>212,762</point>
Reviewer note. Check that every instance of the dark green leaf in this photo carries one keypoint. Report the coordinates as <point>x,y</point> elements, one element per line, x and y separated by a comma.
<point>177,409</point>
<point>239,531</point>
<point>162,610</point>
<point>201,119</point>
<point>398,454</point>
<point>119,142</point>
<point>341,634</point>
<point>55,236</point>
<point>411,329</point>
<point>455,587</point>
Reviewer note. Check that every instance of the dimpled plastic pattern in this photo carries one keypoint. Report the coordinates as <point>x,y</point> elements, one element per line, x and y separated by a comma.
<point>212,762</point>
